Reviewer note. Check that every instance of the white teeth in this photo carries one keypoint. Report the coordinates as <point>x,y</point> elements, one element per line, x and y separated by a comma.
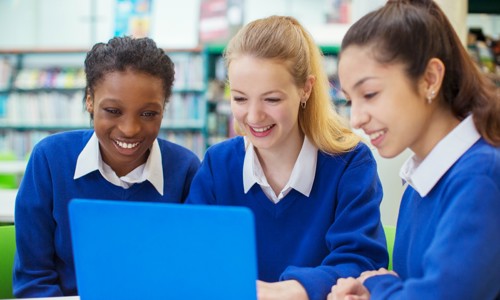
<point>376,134</point>
<point>262,129</point>
<point>126,145</point>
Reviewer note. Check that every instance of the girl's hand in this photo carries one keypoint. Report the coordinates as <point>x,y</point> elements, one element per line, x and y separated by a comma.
<point>282,290</point>
<point>348,289</point>
<point>367,274</point>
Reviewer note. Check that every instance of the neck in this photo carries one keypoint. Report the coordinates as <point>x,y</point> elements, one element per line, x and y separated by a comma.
<point>278,164</point>
<point>441,123</point>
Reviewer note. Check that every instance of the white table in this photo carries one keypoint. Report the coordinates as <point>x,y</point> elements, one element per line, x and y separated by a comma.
<point>13,167</point>
<point>7,203</point>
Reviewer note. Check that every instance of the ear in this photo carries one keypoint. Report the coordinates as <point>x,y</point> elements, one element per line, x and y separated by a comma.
<point>308,86</point>
<point>433,78</point>
<point>89,104</point>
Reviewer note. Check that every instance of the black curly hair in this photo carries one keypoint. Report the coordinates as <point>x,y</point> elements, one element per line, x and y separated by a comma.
<point>127,53</point>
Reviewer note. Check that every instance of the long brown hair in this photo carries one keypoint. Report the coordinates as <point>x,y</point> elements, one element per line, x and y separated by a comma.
<point>414,31</point>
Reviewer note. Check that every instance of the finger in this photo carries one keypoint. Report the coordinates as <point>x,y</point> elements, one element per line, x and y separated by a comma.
<point>346,280</point>
<point>355,297</point>
<point>344,287</point>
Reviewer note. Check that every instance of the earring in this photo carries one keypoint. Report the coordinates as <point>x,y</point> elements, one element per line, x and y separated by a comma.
<point>430,97</point>
<point>303,104</point>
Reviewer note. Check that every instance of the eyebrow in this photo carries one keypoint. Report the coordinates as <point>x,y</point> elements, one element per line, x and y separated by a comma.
<point>360,82</point>
<point>115,101</point>
<point>265,94</point>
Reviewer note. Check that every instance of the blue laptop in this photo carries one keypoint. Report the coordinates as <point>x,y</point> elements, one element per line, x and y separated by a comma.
<point>138,250</point>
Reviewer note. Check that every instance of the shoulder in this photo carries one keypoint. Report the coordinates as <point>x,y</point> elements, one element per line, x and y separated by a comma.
<point>360,155</point>
<point>59,150</point>
<point>481,160</point>
<point>68,136</point>
<point>362,152</point>
<point>65,141</point>
<point>229,148</point>
<point>473,180</point>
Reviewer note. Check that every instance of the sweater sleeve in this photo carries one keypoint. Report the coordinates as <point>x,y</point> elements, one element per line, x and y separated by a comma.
<point>355,238</point>
<point>463,259</point>
<point>35,274</point>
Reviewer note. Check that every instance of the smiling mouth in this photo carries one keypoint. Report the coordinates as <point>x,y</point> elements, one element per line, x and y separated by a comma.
<point>376,134</point>
<point>262,129</point>
<point>126,145</point>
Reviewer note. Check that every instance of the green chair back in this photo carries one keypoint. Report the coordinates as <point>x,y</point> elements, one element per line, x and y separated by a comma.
<point>8,181</point>
<point>8,249</point>
<point>390,235</point>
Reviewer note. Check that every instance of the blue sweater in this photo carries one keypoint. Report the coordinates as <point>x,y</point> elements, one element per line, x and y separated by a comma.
<point>446,243</point>
<point>335,232</point>
<point>44,260</point>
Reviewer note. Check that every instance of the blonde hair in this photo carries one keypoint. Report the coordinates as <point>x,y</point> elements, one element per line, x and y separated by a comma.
<point>284,39</point>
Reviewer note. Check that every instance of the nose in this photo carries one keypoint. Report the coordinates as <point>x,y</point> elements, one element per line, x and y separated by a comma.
<point>130,126</point>
<point>255,112</point>
<point>358,115</point>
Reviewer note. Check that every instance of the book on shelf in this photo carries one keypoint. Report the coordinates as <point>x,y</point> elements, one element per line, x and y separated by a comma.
<point>21,143</point>
<point>6,69</point>
<point>188,71</point>
<point>192,140</point>
<point>45,108</point>
<point>186,109</point>
<point>50,78</point>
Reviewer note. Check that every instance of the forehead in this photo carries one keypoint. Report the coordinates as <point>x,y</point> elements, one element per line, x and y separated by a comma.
<point>127,76</point>
<point>130,80</point>
<point>357,63</point>
<point>261,70</point>
<point>356,56</point>
<point>129,85</point>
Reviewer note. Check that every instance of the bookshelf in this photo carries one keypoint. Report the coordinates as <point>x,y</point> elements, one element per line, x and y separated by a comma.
<point>219,119</point>
<point>41,92</point>
<point>184,120</point>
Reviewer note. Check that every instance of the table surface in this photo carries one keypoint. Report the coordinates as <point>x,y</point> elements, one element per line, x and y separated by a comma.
<point>12,167</point>
<point>7,203</point>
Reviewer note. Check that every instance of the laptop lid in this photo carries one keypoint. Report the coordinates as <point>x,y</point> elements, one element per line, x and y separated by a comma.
<point>139,250</point>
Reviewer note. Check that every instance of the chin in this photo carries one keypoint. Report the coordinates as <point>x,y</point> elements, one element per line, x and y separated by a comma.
<point>388,153</point>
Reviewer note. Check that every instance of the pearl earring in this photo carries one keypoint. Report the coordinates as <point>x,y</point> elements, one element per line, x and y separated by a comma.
<point>431,96</point>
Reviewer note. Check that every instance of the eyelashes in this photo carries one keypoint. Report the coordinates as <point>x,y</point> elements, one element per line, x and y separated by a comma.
<point>116,112</point>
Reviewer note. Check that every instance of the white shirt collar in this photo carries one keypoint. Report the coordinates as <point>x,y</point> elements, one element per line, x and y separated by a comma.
<point>90,160</point>
<point>301,178</point>
<point>424,175</point>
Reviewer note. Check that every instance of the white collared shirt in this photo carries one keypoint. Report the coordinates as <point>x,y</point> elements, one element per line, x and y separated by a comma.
<point>90,159</point>
<point>424,175</point>
<point>301,179</point>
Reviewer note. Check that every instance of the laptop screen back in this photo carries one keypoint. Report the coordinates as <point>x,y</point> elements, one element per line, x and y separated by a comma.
<point>138,250</point>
